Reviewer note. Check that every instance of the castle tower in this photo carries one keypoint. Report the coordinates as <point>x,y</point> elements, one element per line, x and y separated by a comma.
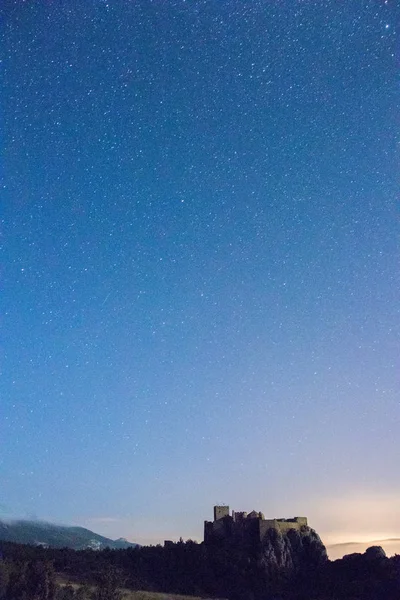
<point>220,512</point>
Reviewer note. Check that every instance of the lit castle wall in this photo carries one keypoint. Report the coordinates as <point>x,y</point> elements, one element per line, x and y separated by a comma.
<point>241,526</point>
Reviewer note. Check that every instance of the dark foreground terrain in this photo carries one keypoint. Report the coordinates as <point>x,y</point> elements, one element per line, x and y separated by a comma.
<point>286,567</point>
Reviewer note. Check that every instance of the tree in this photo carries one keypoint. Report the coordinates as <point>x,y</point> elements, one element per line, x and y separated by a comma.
<point>108,585</point>
<point>4,578</point>
<point>40,581</point>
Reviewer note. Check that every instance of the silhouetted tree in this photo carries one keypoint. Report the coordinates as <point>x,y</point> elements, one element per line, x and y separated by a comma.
<point>40,581</point>
<point>108,585</point>
<point>4,578</point>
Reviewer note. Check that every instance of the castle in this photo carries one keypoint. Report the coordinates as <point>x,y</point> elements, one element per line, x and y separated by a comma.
<point>242,526</point>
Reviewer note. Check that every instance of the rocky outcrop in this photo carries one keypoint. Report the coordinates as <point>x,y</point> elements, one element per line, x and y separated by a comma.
<point>281,561</point>
<point>285,556</point>
<point>291,551</point>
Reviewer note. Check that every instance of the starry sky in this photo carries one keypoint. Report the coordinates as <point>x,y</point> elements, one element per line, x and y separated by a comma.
<point>200,275</point>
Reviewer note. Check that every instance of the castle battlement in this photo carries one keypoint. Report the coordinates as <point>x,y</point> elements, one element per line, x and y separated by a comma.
<point>241,526</point>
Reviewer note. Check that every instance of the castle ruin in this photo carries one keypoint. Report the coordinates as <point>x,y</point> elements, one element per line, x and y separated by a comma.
<point>240,526</point>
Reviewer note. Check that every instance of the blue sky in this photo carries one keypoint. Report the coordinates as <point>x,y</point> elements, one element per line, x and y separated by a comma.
<point>200,286</point>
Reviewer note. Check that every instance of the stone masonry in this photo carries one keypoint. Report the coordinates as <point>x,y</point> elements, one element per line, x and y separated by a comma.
<point>241,526</point>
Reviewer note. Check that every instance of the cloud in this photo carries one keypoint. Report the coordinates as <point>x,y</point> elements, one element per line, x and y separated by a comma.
<point>110,526</point>
<point>358,517</point>
<point>391,547</point>
<point>104,520</point>
<point>376,542</point>
<point>5,511</point>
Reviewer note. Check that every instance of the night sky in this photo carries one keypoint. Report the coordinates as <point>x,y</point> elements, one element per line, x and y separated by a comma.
<point>200,290</point>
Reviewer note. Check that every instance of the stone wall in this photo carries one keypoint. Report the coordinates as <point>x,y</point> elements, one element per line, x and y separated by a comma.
<point>220,512</point>
<point>240,526</point>
<point>285,526</point>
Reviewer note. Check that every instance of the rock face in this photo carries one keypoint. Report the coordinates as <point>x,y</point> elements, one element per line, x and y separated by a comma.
<point>292,551</point>
<point>279,544</point>
<point>271,549</point>
<point>267,568</point>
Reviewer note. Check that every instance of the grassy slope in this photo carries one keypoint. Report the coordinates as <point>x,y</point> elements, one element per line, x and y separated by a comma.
<point>130,594</point>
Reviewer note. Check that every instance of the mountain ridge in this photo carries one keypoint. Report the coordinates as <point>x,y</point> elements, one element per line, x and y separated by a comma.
<point>44,533</point>
<point>372,542</point>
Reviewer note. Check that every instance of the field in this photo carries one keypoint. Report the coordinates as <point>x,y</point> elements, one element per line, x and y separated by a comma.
<point>132,595</point>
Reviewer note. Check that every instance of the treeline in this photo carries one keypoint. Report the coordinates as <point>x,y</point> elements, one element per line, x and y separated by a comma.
<point>28,573</point>
<point>22,580</point>
<point>35,579</point>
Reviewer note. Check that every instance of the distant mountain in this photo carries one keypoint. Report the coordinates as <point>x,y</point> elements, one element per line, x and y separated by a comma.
<point>40,533</point>
<point>390,545</point>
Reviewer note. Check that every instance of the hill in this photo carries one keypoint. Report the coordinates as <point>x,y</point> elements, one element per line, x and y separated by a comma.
<point>41,533</point>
